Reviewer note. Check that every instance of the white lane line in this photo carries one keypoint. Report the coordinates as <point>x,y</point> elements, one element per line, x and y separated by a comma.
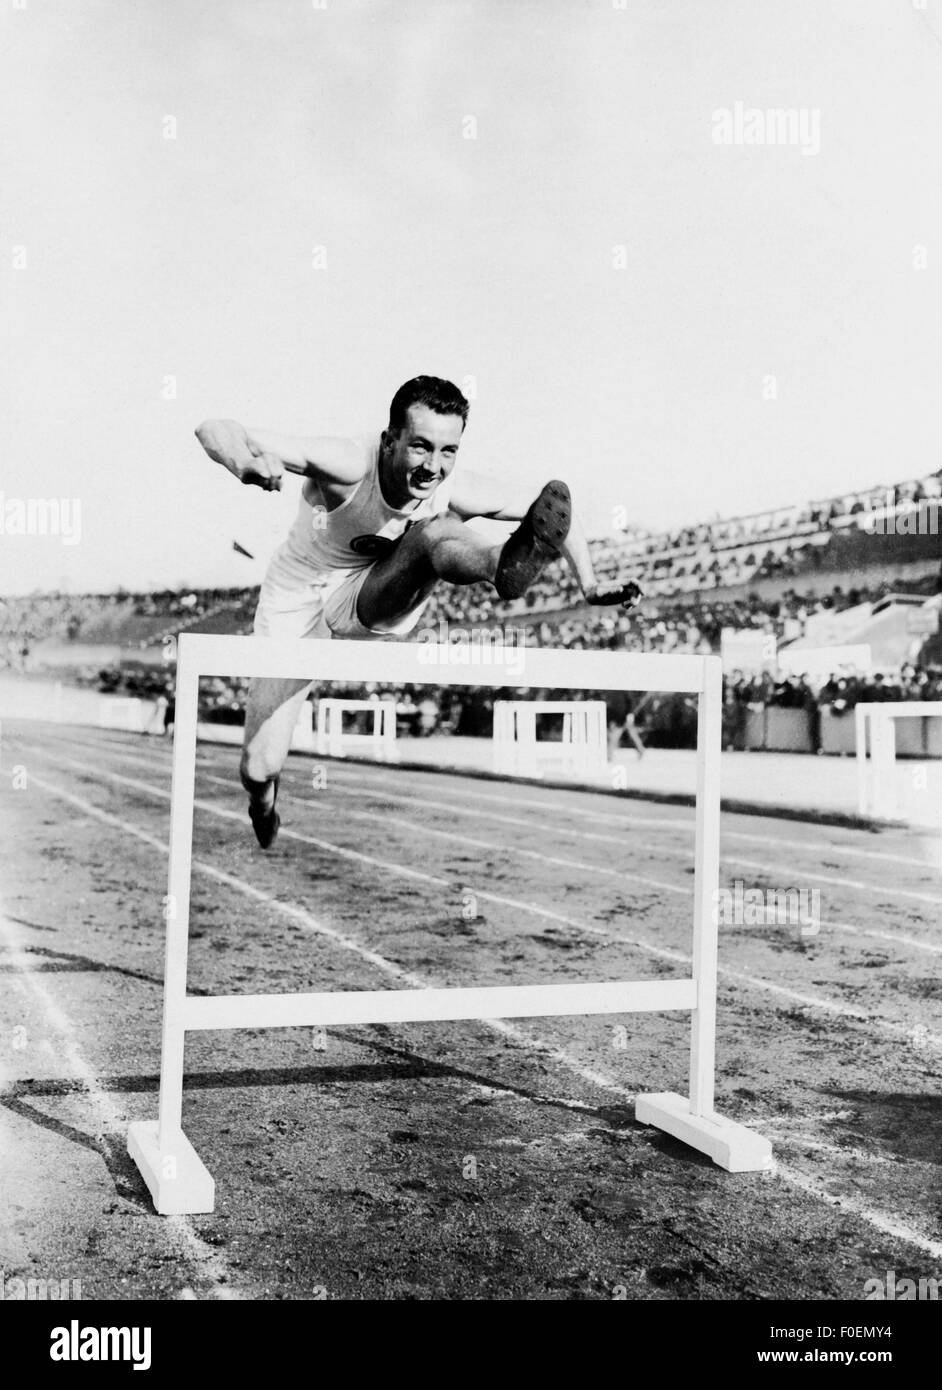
<point>528,823</point>
<point>204,1262</point>
<point>614,818</point>
<point>656,848</point>
<point>385,866</point>
<point>316,925</point>
<point>557,861</point>
<point>856,884</point>
<point>683,889</point>
<point>881,1221</point>
<point>822,850</point>
<point>621,841</point>
<point>891,939</point>
<point>819,1117</point>
<point>834,1007</point>
<point>849,929</point>
<point>807,1142</point>
<point>673,823</point>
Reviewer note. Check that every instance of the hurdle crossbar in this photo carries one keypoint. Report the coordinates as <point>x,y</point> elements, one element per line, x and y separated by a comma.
<point>176,1176</point>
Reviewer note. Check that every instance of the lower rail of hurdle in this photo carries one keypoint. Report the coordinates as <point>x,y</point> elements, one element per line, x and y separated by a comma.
<point>178,1180</point>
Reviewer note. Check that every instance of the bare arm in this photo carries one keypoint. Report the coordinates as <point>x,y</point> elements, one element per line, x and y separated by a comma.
<point>260,456</point>
<point>329,459</point>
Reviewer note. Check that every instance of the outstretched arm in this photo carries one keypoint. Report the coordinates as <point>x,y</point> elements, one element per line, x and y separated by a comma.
<point>475,494</point>
<point>260,456</point>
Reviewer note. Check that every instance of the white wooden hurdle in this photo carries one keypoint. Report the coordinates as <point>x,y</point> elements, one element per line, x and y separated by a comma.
<point>176,1176</point>
<point>875,730</point>
<point>380,743</point>
<point>581,752</point>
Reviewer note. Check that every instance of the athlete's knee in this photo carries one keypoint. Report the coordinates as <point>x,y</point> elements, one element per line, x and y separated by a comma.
<point>432,530</point>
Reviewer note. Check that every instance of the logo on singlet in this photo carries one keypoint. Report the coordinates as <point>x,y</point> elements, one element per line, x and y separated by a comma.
<point>373,546</point>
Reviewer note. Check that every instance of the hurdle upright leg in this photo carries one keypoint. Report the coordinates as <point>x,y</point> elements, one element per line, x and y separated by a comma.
<point>707,880</point>
<point>175,1174</point>
<point>860,750</point>
<point>883,764</point>
<point>693,1119</point>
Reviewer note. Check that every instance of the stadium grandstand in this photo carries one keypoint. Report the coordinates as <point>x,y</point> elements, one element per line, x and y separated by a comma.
<point>783,573</point>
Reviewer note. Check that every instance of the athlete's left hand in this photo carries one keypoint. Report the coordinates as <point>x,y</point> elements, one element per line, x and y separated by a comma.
<point>615,592</point>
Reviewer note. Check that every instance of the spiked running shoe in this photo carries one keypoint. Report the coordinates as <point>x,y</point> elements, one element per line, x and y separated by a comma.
<point>537,540</point>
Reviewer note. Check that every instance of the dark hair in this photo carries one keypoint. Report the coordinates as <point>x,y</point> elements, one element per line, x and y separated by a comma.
<point>441,396</point>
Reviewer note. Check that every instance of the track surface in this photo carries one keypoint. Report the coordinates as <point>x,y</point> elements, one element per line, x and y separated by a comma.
<point>453,1160</point>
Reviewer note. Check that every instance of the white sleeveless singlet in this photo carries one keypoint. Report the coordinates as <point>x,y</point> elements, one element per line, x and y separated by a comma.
<point>343,539</point>
<point>327,553</point>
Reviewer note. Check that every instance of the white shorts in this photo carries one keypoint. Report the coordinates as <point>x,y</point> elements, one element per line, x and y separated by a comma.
<point>297,602</point>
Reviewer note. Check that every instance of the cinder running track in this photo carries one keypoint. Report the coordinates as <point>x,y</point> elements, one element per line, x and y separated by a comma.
<point>453,1160</point>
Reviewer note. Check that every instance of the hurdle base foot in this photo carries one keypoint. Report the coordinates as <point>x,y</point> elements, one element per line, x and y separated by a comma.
<point>732,1146</point>
<point>177,1178</point>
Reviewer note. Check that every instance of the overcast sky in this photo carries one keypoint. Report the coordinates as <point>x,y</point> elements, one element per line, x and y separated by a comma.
<point>676,326</point>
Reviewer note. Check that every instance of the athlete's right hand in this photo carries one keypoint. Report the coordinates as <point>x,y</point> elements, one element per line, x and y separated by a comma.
<point>228,443</point>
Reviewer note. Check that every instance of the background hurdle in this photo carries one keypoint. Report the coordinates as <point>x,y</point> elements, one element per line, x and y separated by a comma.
<point>582,751</point>
<point>875,731</point>
<point>380,743</point>
<point>177,1178</point>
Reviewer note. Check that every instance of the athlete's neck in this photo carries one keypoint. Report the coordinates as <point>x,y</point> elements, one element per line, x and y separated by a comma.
<point>401,501</point>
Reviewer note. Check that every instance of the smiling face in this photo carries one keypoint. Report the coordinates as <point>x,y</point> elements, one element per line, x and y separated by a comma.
<point>415,460</point>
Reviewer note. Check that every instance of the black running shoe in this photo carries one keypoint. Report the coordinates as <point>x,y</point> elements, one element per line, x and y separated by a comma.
<point>266,821</point>
<point>537,540</point>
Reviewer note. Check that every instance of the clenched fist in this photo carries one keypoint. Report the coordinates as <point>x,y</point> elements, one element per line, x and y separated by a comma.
<point>227,442</point>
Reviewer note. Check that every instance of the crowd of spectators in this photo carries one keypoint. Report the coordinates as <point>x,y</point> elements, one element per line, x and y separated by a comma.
<point>126,618</point>
<point>694,626</point>
<point>840,691</point>
<point>421,710</point>
<point>677,570</point>
<point>688,626</point>
<point>663,720</point>
<point>772,544</point>
<point>680,613</point>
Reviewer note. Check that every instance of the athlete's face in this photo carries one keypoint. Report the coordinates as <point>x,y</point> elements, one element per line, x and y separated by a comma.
<point>420,457</point>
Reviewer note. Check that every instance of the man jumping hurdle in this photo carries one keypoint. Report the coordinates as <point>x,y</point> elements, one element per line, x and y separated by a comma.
<point>380,522</point>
